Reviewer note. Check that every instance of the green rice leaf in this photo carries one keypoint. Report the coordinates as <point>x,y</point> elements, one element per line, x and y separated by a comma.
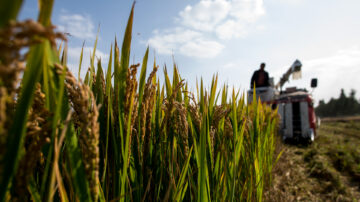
<point>180,187</point>
<point>142,76</point>
<point>167,83</point>
<point>125,56</point>
<point>45,12</point>
<point>76,165</point>
<point>16,135</point>
<point>35,196</point>
<point>9,10</point>
<point>81,58</point>
<point>202,184</point>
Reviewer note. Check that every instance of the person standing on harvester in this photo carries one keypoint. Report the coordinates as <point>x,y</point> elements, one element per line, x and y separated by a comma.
<point>260,77</point>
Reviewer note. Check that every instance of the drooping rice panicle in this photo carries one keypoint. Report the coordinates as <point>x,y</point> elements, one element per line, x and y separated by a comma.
<point>86,122</point>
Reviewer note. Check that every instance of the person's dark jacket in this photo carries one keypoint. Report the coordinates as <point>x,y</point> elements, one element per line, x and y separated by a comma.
<point>255,78</point>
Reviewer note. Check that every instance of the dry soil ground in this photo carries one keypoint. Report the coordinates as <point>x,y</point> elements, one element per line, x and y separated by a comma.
<point>326,170</point>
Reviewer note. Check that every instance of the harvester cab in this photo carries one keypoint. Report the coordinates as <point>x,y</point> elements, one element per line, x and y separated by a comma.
<point>295,106</point>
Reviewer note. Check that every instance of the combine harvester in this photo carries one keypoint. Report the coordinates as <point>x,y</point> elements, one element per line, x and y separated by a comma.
<point>296,108</point>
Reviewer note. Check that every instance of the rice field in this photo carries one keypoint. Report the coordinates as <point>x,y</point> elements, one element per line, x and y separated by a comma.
<point>326,170</point>
<point>114,137</point>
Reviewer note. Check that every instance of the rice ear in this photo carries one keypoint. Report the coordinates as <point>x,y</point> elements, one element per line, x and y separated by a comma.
<point>86,122</point>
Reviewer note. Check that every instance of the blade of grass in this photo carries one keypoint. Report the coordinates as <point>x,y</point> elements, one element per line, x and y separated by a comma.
<point>125,56</point>
<point>9,10</point>
<point>45,12</point>
<point>202,194</point>
<point>108,115</point>
<point>180,187</point>
<point>81,58</point>
<point>16,135</point>
<point>142,76</point>
<point>35,196</point>
<point>76,165</point>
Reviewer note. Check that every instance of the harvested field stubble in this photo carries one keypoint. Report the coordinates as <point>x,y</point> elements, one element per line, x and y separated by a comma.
<point>119,137</point>
<point>327,170</point>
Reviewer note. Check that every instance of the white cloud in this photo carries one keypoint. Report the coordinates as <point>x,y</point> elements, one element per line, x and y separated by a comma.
<point>201,27</point>
<point>231,29</point>
<point>247,10</point>
<point>205,15</point>
<point>242,16</point>
<point>227,18</point>
<point>209,14</point>
<point>201,48</point>
<point>342,59</point>
<point>186,42</point>
<point>169,41</point>
<point>80,26</point>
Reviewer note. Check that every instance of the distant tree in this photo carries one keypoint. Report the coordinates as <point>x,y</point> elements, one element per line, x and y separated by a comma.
<point>321,107</point>
<point>353,104</point>
<point>352,94</point>
<point>342,106</point>
<point>342,94</point>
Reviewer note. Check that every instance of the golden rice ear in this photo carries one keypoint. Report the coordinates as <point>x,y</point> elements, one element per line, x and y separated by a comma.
<point>13,116</point>
<point>148,100</point>
<point>193,110</point>
<point>219,113</point>
<point>147,110</point>
<point>38,134</point>
<point>183,129</point>
<point>86,123</point>
<point>14,37</point>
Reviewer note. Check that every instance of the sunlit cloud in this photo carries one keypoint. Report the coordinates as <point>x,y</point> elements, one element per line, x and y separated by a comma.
<point>205,15</point>
<point>79,26</point>
<point>200,28</point>
<point>201,48</point>
<point>186,42</point>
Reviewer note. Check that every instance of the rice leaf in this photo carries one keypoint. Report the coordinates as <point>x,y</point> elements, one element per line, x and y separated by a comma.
<point>9,10</point>
<point>180,187</point>
<point>202,194</point>
<point>81,58</point>
<point>35,196</point>
<point>45,12</point>
<point>167,83</point>
<point>16,135</point>
<point>125,56</point>
<point>76,166</point>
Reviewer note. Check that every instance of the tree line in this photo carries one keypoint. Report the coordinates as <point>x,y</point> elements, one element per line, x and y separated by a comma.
<point>342,106</point>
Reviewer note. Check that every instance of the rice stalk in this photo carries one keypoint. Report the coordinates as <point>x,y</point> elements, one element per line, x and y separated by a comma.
<point>86,122</point>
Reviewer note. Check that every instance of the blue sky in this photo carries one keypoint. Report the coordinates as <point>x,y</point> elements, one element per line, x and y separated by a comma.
<point>229,37</point>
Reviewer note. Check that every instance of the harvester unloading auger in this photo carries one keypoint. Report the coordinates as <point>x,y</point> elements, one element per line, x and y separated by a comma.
<point>294,70</point>
<point>295,106</point>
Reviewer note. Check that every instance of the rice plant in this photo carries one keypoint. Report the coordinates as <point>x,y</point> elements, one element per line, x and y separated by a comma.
<point>116,137</point>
